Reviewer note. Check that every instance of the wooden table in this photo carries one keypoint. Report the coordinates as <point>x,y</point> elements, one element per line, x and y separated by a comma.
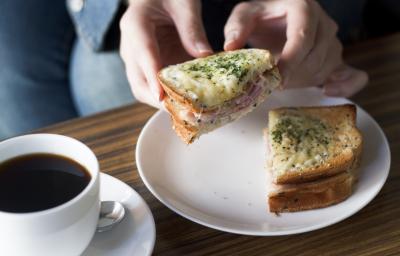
<point>375,230</point>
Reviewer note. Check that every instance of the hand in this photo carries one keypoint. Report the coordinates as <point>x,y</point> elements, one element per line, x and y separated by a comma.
<point>155,33</point>
<point>303,37</point>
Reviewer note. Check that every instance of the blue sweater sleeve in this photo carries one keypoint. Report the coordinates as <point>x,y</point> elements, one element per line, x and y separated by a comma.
<point>92,19</point>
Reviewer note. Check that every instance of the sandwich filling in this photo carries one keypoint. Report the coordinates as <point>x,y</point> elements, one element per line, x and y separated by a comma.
<point>255,93</point>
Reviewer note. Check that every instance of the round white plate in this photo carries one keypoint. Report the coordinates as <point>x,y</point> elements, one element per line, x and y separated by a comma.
<point>135,235</point>
<point>219,180</point>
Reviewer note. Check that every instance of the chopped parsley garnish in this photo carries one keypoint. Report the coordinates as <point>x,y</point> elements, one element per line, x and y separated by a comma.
<point>300,129</point>
<point>233,64</point>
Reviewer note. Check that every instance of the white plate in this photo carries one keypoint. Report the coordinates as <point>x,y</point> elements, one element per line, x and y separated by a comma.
<point>219,180</point>
<point>135,235</point>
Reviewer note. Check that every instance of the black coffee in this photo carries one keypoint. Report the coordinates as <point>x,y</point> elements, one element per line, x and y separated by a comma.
<point>39,181</point>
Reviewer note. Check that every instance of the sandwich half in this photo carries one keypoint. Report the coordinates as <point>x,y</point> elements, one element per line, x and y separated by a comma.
<point>207,93</point>
<point>313,154</point>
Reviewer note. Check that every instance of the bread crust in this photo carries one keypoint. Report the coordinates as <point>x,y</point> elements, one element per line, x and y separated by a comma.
<point>170,93</point>
<point>311,195</point>
<point>187,132</point>
<point>345,157</point>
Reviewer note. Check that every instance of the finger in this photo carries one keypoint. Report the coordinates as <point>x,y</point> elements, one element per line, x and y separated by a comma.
<point>137,81</point>
<point>304,77</point>
<point>139,86</point>
<point>240,24</point>
<point>138,32</point>
<point>333,60</point>
<point>302,17</point>
<point>187,18</point>
<point>327,51</point>
<point>347,82</point>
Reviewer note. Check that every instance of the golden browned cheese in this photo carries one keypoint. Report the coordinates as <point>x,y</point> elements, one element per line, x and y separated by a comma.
<point>213,80</point>
<point>308,143</point>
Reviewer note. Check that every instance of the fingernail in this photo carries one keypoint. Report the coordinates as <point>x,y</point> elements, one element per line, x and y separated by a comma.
<point>154,92</point>
<point>341,75</point>
<point>202,47</point>
<point>231,37</point>
<point>285,79</point>
<point>161,97</point>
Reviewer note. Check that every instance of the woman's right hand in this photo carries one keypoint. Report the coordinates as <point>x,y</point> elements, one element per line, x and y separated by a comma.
<point>155,33</point>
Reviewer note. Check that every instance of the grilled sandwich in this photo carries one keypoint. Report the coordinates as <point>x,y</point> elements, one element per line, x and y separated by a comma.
<point>207,93</point>
<point>313,155</point>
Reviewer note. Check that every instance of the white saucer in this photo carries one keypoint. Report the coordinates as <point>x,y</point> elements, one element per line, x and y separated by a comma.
<point>135,235</point>
<point>219,180</point>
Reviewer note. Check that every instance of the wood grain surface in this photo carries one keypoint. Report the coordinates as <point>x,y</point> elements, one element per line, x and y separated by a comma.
<point>375,230</point>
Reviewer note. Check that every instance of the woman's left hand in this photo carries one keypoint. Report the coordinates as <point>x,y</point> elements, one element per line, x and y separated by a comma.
<point>303,37</point>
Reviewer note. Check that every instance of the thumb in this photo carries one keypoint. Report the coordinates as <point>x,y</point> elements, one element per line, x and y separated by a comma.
<point>240,24</point>
<point>187,18</point>
<point>345,82</point>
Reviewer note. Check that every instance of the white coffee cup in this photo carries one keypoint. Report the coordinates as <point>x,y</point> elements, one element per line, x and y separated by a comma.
<point>65,229</point>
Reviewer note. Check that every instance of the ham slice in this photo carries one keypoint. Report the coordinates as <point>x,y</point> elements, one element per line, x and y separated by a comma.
<point>240,103</point>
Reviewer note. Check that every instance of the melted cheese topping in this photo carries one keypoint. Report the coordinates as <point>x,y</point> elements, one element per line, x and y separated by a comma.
<point>299,141</point>
<point>216,79</point>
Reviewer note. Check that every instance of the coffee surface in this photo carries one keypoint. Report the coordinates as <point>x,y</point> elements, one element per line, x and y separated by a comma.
<point>38,182</point>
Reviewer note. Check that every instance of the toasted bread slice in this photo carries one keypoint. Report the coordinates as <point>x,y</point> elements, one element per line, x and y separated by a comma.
<point>207,93</point>
<point>310,143</point>
<point>310,195</point>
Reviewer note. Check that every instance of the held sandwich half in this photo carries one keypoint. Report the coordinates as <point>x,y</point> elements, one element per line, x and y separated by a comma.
<point>312,156</point>
<point>207,93</point>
